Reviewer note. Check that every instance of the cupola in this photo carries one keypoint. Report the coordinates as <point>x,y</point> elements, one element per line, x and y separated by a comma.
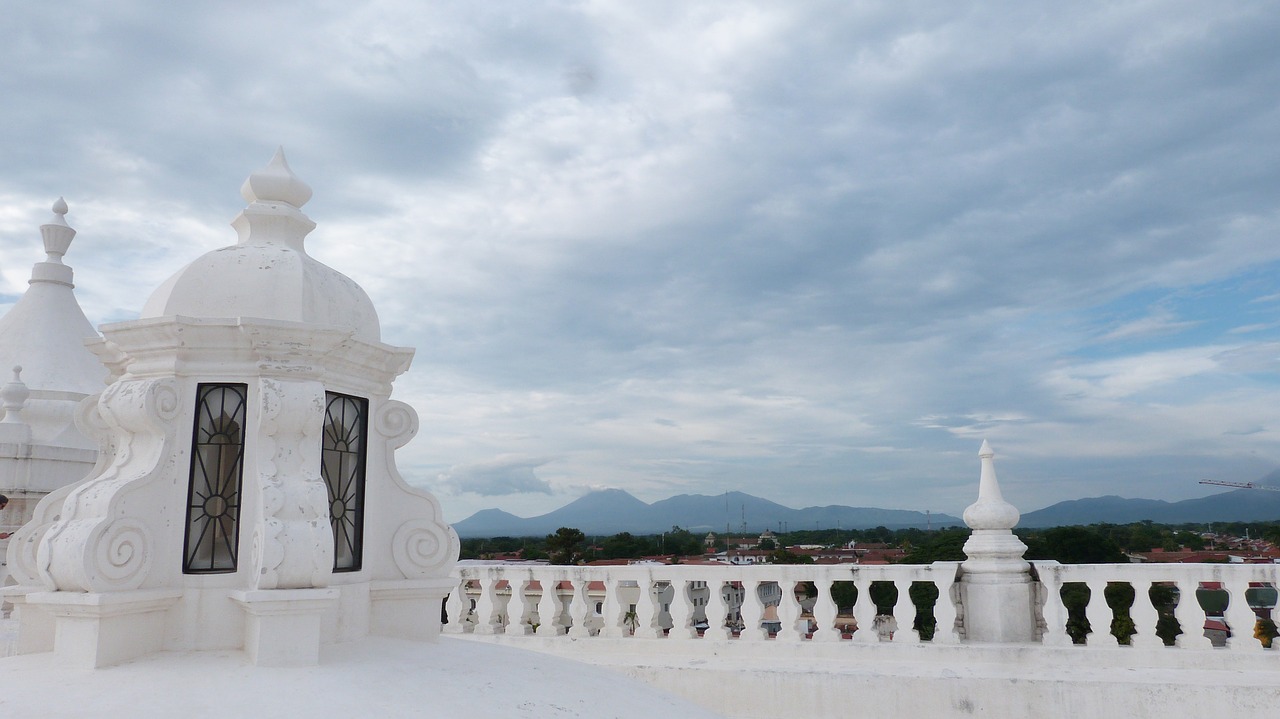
<point>246,495</point>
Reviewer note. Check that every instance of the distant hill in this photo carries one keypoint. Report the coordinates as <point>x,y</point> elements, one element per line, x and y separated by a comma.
<point>612,511</point>
<point>1241,505</point>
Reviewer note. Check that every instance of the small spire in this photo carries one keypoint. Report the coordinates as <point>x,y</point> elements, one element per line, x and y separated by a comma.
<point>13,397</point>
<point>57,234</point>
<point>991,511</point>
<point>276,183</point>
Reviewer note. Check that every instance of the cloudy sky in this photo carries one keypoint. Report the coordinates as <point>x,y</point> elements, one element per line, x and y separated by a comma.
<point>814,251</point>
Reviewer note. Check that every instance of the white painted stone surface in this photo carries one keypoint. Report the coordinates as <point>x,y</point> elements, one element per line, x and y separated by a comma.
<point>100,567</point>
<point>44,334</point>
<point>373,677</point>
<point>994,579</point>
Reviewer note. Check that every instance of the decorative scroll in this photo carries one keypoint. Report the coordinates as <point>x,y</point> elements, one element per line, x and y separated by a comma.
<point>100,540</point>
<point>396,421</point>
<point>122,555</point>
<point>424,548</point>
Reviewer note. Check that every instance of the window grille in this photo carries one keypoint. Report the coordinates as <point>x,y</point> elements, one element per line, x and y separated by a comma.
<point>213,495</point>
<point>342,466</point>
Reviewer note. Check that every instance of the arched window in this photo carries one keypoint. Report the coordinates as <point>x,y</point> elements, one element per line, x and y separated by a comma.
<point>213,494</point>
<point>342,465</point>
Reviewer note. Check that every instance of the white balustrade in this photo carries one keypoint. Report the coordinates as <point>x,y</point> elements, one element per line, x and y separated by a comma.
<point>580,607</point>
<point>548,604</point>
<point>752,610</point>
<point>671,603</point>
<point>682,611</point>
<point>1183,581</point>
<point>518,608</point>
<point>789,612</point>
<point>458,610</point>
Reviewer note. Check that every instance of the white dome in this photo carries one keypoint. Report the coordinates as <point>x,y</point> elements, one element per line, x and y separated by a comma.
<point>268,274</point>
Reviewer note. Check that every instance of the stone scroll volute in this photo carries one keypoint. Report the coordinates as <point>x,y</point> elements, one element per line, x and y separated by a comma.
<point>102,539</point>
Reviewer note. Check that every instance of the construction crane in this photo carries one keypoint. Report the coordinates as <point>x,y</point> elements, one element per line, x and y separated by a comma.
<point>1241,485</point>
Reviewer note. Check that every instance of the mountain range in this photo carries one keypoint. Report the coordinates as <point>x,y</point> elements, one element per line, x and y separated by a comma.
<point>1241,505</point>
<point>611,511</point>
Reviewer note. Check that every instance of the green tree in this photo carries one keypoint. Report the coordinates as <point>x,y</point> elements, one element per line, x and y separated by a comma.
<point>566,545</point>
<point>943,546</point>
<point>1074,545</point>
<point>782,556</point>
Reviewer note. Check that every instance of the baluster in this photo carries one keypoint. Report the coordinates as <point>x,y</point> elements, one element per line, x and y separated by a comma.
<point>613,613</point>
<point>864,610</point>
<point>579,606</point>
<point>904,613</point>
<point>548,607</point>
<point>944,578</point>
<point>1055,612</point>
<point>1145,616</point>
<point>458,607</point>
<point>518,610</point>
<point>646,611</point>
<point>1190,617</point>
<point>1099,615</point>
<point>717,611</point>
<point>789,613</point>
<point>752,612</point>
<point>488,612</point>
<point>681,611</point>
<point>824,610</point>
<point>1240,618</point>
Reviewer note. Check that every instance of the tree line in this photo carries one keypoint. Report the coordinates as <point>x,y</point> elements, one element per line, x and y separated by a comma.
<point>1094,544</point>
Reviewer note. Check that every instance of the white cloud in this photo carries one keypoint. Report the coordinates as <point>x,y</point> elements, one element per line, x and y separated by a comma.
<point>684,247</point>
<point>498,476</point>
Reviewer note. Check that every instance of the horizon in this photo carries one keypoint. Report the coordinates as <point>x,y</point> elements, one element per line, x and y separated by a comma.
<point>954,514</point>
<point>813,250</point>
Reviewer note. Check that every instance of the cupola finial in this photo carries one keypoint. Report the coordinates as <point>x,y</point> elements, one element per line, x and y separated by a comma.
<point>991,511</point>
<point>276,183</point>
<point>56,233</point>
<point>13,397</point>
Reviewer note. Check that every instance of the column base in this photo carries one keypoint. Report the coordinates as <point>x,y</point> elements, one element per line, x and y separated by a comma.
<point>282,626</point>
<point>100,629</point>
<point>408,609</point>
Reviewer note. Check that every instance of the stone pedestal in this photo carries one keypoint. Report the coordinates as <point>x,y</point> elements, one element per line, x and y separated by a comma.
<point>408,609</point>
<point>995,581</point>
<point>35,625</point>
<point>99,629</point>
<point>282,626</point>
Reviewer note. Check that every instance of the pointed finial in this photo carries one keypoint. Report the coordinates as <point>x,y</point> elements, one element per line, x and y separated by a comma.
<point>13,397</point>
<point>56,233</point>
<point>991,511</point>
<point>276,183</point>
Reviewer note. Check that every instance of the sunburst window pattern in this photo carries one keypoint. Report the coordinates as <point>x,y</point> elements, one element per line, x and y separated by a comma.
<point>345,426</point>
<point>213,497</point>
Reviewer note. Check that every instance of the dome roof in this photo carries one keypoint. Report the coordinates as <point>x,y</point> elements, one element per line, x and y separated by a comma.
<point>268,273</point>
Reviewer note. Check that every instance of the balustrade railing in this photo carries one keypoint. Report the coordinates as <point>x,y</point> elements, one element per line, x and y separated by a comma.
<point>787,603</point>
<point>1194,606</point>
<point>1189,606</point>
